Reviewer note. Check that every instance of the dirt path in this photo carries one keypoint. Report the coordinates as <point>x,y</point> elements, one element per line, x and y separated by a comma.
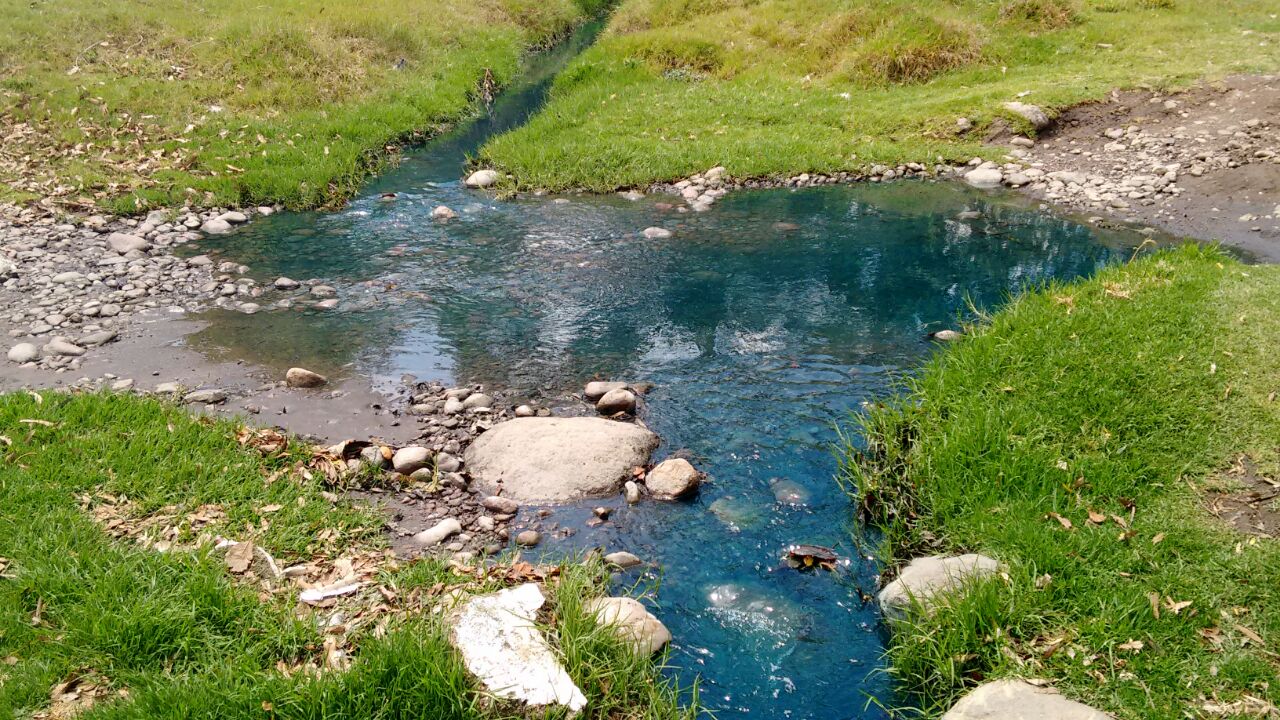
<point>1204,163</point>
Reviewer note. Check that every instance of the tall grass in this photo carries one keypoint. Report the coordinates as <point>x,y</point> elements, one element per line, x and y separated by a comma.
<point>1071,437</point>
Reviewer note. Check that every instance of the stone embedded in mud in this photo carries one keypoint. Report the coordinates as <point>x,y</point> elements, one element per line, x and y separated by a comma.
<point>1017,699</point>
<point>551,459</point>
<point>298,377</point>
<point>616,401</point>
<point>1033,114</point>
<point>438,533</point>
<point>673,478</point>
<point>212,396</point>
<point>61,346</point>
<point>23,353</point>
<point>924,579</point>
<point>482,179</point>
<point>632,622</point>
<point>408,459</point>
<point>498,504</point>
<point>500,644</point>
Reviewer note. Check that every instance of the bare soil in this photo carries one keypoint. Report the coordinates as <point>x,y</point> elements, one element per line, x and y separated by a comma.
<point>1252,504</point>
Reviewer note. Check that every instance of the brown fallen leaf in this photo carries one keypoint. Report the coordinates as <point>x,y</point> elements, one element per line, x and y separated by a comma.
<point>240,557</point>
<point>1096,517</point>
<point>1157,539</point>
<point>1254,637</point>
<point>1133,646</point>
<point>1154,599</point>
<point>268,509</point>
<point>1176,606</point>
<point>1065,522</point>
<point>32,421</point>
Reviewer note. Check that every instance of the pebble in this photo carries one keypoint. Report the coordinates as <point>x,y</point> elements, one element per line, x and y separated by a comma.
<point>616,401</point>
<point>656,233</point>
<point>482,179</point>
<point>528,538</point>
<point>501,505</point>
<point>439,532</point>
<point>631,491</point>
<point>408,459</point>
<point>622,560</point>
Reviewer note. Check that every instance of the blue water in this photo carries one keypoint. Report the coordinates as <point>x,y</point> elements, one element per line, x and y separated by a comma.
<point>762,324</point>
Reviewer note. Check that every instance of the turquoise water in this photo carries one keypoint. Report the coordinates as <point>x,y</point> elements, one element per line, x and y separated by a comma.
<point>762,324</point>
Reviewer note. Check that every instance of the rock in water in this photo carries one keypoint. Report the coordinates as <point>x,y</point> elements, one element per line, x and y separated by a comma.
<point>789,492</point>
<point>284,283</point>
<point>946,335</point>
<point>1033,114</point>
<point>482,179</point>
<point>673,478</point>
<point>438,533</point>
<point>622,559</point>
<point>633,623</point>
<point>500,644</point>
<point>552,460</point>
<point>302,378</point>
<point>632,492</point>
<point>1016,700</point>
<point>528,538</point>
<point>926,578</point>
<point>616,401</point>
<point>23,353</point>
<point>656,233</point>
<point>408,459</point>
<point>443,212</point>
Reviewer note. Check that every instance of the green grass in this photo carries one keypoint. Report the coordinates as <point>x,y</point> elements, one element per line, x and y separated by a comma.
<point>110,103</point>
<point>1125,395</point>
<point>172,635</point>
<point>779,87</point>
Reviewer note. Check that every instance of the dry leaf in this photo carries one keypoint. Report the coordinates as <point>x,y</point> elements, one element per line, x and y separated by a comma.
<point>1177,606</point>
<point>240,557</point>
<point>1096,517</point>
<point>1061,520</point>
<point>1154,599</point>
<point>1254,637</point>
<point>1132,646</point>
<point>1157,539</point>
<point>268,509</point>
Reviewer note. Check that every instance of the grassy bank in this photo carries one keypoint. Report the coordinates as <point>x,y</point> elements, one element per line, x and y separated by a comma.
<point>151,624</point>
<point>125,104</point>
<point>774,87</point>
<point>1080,436</point>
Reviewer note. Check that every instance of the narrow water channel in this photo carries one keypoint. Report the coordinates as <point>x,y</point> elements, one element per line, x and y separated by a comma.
<point>762,325</point>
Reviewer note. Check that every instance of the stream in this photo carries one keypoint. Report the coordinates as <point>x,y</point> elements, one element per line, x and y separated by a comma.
<point>763,324</point>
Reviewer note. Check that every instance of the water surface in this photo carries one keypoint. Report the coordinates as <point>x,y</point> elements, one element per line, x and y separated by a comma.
<point>761,324</point>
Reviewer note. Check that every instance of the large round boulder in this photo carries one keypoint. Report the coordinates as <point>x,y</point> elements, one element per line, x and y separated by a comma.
<point>1016,700</point>
<point>552,460</point>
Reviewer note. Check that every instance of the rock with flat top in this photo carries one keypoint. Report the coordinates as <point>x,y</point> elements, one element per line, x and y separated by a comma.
<point>23,353</point>
<point>673,478</point>
<point>1019,700</point>
<point>984,177</point>
<point>61,346</point>
<point>216,226</point>
<point>927,579</point>
<point>212,396</point>
<point>1033,114</point>
<point>553,460</point>
<point>123,243</point>
<point>622,559</point>
<point>597,389</point>
<point>499,641</point>
<point>656,233</point>
<point>643,632</point>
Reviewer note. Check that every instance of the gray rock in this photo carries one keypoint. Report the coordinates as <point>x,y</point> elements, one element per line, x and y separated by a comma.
<point>632,492</point>
<point>632,622</point>
<point>109,310</point>
<point>946,335</point>
<point>656,233</point>
<point>477,400</point>
<point>7,268</point>
<point>372,455</point>
<point>122,385</point>
<point>59,346</point>
<point>68,277</point>
<point>1019,700</point>
<point>528,538</point>
<point>447,463</point>
<point>525,411</point>
<point>984,177</point>
<point>234,216</point>
<point>23,353</point>
<point>211,396</point>
<point>216,226</point>
<point>284,283</point>
<point>1033,114</point>
<point>443,213</point>
<point>616,401</point>
<point>597,389</point>
<point>298,377</point>
<point>482,179</point>
<point>789,492</point>
<point>622,559</point>
<point>408,459</point>
<point>453,406</point>
<point>551,459</point>
<point>168,388</point>
<point>501,505</point>
<point>673,478</point>
<point>102,337</point>
<point>122,243</point>
<point>438,533</point>
<point>926,579</point>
